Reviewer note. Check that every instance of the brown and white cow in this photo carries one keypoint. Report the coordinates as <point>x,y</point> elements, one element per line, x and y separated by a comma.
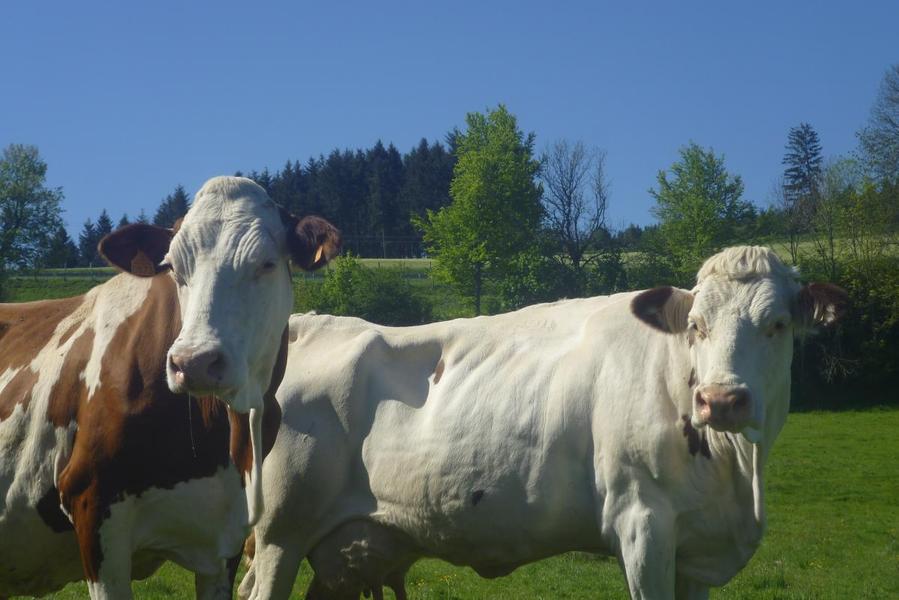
<point>132,418</point>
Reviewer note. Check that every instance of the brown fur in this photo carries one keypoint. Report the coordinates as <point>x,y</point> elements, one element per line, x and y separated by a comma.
<point>24,330</point>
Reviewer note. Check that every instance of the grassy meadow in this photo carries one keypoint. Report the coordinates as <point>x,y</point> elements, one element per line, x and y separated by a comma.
<point>833,530</point>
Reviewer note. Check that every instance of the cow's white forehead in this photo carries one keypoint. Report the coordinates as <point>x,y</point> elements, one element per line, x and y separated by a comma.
<point>228,199</point>
<point>231,212</point>
<point>751,280</point>
<point>747,262</point>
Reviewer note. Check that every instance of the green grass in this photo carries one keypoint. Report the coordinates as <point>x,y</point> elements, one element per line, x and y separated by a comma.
<point>833,509</point>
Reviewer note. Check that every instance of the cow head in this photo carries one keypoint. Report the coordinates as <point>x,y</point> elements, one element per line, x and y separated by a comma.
<point>229,259</point>
<point>739,323</point>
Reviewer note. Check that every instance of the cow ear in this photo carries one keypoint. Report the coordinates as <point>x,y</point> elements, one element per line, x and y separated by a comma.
<point>311,241</point>
<point>663,308</point>
<point>820,304</point>
<point>137,249</point>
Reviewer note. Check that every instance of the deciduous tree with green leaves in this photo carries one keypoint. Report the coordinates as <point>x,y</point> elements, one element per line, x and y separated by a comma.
<point>29,211</point>
<point>880,137</point>
<point>494,216</point>
<point>700,208</point>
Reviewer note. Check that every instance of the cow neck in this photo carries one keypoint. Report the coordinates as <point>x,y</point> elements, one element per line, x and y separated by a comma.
<point>248,445</point>
<point>750,460</point>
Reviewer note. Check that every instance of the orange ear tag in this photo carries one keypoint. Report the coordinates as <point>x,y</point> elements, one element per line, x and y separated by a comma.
<point>318,254</point>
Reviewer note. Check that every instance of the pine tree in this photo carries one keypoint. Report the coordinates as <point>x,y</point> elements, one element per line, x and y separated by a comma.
<point>104,225</point>
<point>800,181</point>
<point>142,217</point>
<point>62,251</point>
<point>172,208</point>
<point>87,245</point>
<point>803,161</point>
<point>123,221</point>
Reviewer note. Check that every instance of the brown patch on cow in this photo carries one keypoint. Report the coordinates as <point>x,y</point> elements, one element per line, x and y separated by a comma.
<point>17,391</point>
<point>50,512</point>
<point>249,545</point>
<point>438,371</point>
<point>692,381</point>
<point>695,441</point>
<point>69,333</point>
<point>69,392</point>
<point>241,448</point>
<point>647,306</point>
<point>30,326</point>
<point>27,329</point>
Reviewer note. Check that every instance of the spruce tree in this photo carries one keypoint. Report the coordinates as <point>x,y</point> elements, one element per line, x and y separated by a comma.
<point>803,164</point>
<point>172,208</point>
<point>87,245</point>
<point>62,251</point>
<point>800,182</point>
<point>104,225</point>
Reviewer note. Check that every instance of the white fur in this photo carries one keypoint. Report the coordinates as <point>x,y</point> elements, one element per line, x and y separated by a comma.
<point>558,427</point>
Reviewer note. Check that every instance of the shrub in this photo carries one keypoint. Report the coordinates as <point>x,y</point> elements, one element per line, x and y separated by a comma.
<point>378,295</point>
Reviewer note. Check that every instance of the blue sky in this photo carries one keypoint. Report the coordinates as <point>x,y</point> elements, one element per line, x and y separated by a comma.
<point>125,99</point>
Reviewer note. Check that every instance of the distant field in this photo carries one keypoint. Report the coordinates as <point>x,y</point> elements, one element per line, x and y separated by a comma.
<point>61,283</point>
<point>833,531</point>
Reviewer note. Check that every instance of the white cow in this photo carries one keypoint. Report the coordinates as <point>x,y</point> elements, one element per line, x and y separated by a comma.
<point>636,425</point>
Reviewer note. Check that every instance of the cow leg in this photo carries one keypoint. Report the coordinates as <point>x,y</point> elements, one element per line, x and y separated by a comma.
<point>647,551</point>
<point>275,567</point>
<point>217,586</point>
<point>245,590</point>
<point>690,589</point>
<point>105,547</point>
<point>396,581</point>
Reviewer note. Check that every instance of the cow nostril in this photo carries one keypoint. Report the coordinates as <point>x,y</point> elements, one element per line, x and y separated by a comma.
<point>176,363</point>
<point>216,368</point>
<point>700,400</point>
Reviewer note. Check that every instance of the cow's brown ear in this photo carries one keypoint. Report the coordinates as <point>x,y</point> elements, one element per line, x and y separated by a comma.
<point>137,249</point>
<point>820,304</point>
<point>663,308</point>
<point>311,241</point>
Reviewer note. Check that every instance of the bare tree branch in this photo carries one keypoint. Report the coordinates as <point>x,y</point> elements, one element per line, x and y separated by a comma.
<point>575,199</point>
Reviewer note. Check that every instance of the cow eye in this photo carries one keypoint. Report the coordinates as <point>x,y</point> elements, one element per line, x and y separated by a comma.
<point>266,267</point>
<point>696,330</point>
<point>777,328</point>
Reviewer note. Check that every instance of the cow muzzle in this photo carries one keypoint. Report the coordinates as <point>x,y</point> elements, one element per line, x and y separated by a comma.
<point>200,371</point>
<point>722,407</point>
